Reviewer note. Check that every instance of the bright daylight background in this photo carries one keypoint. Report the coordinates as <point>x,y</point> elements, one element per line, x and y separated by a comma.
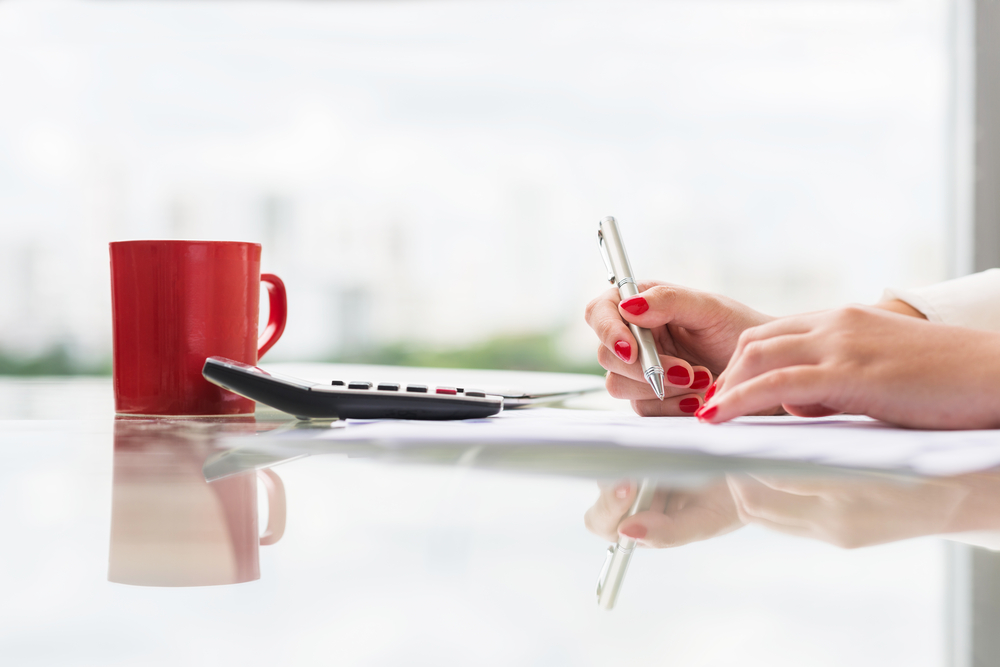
<point>428,175</point>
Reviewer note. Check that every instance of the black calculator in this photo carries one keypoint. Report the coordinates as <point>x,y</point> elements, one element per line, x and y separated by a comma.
<point>350,399</point>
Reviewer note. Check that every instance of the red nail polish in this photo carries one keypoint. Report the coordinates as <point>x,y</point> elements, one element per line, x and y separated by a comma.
<point>689,405</point>
<point>679,375</point>
<point>623,350</point>
<point>701,380</point>
<point>705,414</point>
<point>711,391</point>
<point>635,305</point>
<point>635,531</point>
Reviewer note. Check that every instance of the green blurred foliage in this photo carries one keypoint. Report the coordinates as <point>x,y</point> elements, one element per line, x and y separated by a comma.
<point>55,361</point>
<point>524,352</point>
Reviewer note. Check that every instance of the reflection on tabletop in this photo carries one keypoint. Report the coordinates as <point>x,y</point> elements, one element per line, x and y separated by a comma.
<point>850,511</point>
<point>169,526</point>
<point>698,496</point>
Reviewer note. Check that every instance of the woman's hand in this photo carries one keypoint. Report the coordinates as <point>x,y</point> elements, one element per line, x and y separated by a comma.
<point>853,513</point>
<point>867,361</point>
<point>695,332</point>
<point>675,518</point>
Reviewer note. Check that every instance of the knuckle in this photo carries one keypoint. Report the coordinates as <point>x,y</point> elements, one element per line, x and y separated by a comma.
<point>753,350</point>
<point>605,329</point>
<point>614,386</point>
<point>593,309</point>
<point>746,337</point>
<point>662,294</point>
<point>775,380</point>
<point>851,314</point>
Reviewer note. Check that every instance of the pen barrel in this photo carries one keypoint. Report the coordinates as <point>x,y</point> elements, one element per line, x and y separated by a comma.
<point>620,553</point>
<point>648,356</point>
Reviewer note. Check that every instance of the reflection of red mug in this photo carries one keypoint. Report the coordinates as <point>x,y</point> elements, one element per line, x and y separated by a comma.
<point>169,527</point>
<point>176,303</point>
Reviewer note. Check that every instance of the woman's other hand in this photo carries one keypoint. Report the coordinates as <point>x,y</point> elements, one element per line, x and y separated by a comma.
<point>852,513</point>
<point>862,360</point>
<point>695,333</point>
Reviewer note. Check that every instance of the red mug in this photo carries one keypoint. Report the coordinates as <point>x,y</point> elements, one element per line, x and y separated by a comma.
<point>176,303</point>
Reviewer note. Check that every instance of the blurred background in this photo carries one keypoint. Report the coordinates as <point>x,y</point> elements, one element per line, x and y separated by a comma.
<point>427,176</point>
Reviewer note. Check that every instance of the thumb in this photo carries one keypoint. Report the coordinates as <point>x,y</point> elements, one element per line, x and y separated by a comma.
<point>674,304</point>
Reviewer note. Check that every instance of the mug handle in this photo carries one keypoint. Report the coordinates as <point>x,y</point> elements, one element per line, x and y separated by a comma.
<point>277,313</point>
<point>276,508</point>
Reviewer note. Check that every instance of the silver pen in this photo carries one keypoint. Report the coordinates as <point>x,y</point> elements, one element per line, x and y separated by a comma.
<point>619,554</point>
<point>620,274</point>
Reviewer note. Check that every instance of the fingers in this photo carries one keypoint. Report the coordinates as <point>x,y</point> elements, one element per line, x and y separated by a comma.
<point>753,337</point>
<point>677,406</point>
<point>603,517</point>
<point>759,503</point>
<point>603,317</point>
<point>627,380</point>
<point>672,304</point>
<point>812,411</point>
<point>795,385</point>
<point>686,517</point>
<point>762,355</point>
<point>613,503</point>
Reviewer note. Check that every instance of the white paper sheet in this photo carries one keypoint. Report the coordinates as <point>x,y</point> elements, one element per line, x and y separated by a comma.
<point>856,442</point>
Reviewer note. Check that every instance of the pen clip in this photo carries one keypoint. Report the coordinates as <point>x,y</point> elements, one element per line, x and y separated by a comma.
<point>605,256</point>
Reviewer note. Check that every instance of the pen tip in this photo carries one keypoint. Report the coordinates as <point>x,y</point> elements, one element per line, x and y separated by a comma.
<point>656,382</point>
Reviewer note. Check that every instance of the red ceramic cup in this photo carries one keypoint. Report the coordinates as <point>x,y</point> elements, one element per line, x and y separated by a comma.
<point>175,303</point>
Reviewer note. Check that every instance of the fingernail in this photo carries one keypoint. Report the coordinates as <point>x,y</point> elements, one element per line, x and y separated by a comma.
<point>636,531</point>
<point>679,375</point>
<point>711,391</point>
<point>706,413</point>
<point>689,405</point>
<point>623,350</point>
<point>621,491</point>
<point>701,380</point>
<point>635,305</point>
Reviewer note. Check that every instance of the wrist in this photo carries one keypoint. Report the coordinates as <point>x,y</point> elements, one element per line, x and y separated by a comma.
<point>900,307</point>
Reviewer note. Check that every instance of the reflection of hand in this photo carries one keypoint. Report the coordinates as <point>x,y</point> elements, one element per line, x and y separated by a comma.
<point>863,361</point>
<point>675,517</point>
<point>695,332</point>
<point>849,513</point>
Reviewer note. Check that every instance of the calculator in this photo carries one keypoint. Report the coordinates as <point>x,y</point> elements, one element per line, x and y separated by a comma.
<point>350,399</point>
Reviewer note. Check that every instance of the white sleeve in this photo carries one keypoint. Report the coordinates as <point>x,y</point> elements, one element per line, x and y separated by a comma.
<point>970,301</point>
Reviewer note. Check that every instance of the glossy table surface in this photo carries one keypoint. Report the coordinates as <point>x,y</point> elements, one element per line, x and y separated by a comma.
<point>117,551</point>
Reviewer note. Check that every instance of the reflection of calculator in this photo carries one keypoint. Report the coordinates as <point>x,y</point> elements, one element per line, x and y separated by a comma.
<point>350,399</point>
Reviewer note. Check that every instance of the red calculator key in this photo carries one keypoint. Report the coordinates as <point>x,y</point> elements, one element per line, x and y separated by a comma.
<point>446,390</point>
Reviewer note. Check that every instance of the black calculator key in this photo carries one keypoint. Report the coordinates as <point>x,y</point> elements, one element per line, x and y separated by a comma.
<point>417,388</point>
<point>359,385</point>
<point>385,386</point>
<point>337,383</point>
<point>446,390</point>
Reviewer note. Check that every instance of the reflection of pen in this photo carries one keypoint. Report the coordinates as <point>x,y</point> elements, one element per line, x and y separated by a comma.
<point>620,274</point>
<point>620,553</point>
